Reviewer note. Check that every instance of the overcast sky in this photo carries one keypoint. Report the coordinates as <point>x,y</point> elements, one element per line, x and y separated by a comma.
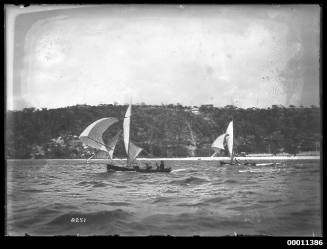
<point>243,55</point>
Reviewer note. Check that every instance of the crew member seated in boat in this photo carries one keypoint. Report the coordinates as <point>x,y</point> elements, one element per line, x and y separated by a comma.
<point>157,166</point>
<point>162,166</point>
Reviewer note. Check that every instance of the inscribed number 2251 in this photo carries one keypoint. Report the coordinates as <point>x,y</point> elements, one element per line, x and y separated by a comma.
<point>78,220</point>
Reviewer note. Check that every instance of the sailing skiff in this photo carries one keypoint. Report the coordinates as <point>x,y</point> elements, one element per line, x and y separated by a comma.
<point>227,140</point>
<point>92,136</point>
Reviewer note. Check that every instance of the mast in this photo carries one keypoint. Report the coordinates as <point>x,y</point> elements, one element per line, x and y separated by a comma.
<point>129,132</point>
<point>223,139</point>
<point>126,127</point>
<point>129,135</point>
<point>132,150</point>
<point>230,139</point>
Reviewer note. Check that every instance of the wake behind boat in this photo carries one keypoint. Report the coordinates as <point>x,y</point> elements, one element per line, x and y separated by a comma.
<point>267,164</point>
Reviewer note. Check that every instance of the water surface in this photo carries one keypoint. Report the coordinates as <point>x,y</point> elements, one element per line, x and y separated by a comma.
<point>196,198</point>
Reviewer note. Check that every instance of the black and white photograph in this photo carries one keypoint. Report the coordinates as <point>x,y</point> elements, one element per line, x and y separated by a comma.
<point>163,120</point>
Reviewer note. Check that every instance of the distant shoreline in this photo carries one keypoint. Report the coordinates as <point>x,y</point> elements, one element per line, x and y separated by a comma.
<point>256,158</point>
<point>238,158</point>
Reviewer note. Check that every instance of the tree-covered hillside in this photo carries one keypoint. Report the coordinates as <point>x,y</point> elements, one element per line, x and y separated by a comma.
<point>163,131</point>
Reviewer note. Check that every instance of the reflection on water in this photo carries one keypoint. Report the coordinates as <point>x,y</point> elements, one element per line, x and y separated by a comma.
<point>196,198</point>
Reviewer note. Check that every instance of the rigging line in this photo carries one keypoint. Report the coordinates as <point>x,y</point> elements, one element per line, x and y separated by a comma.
<point>148,153</point>
<point>100,143</point>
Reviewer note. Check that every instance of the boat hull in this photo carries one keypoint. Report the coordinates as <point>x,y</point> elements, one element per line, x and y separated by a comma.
<point>238,164</point>
<point>111,168</point>
<point>247,164</point>
<point>166,170</point>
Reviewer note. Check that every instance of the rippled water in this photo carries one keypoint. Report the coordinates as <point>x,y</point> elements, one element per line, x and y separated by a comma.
<point>196,198</point>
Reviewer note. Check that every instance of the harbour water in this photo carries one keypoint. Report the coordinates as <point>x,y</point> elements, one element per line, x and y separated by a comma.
<point>69,197</point>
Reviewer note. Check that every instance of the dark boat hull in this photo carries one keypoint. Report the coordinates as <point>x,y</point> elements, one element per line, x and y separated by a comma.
<point>111,167</point>
<point>166,170</point>
<point>238,164</point>
<point>248,164</point>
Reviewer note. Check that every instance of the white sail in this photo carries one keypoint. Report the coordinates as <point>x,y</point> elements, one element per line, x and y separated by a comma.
<point>132,150</point>
<point>126,127</point>
<point>219,142</point>
<point>230,138</point>
<point>111,144</point>
<point>92,135</point>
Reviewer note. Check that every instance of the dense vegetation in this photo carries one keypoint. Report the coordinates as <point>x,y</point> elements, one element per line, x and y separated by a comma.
<point>164,131</point>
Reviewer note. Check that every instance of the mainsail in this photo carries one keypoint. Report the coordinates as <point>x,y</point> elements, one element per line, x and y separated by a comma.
<point>219,143</point>
<point>126,127</point>
<point>230,138</point>
<point>92,135</point>
<point>132,150</point>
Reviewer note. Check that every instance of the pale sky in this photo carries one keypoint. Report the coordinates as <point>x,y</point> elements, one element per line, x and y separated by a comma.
<point>250,55</point>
